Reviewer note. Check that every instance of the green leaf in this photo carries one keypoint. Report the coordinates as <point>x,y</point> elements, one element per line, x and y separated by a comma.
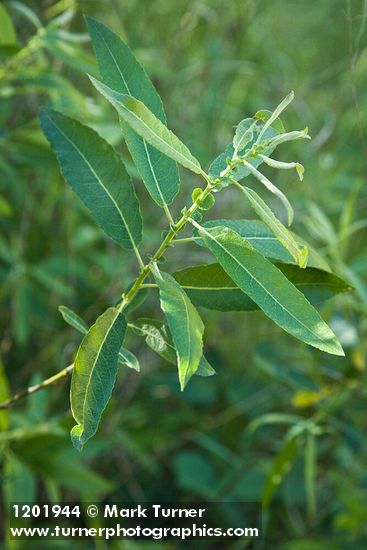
<point>281,232</point>
<point>122,72</point>
<point>98,176</point>
<point>7,35</point>
<point>289,136</point>
<point>207,203</point>
<point>265,242</point>
<point>158,338</point>
<point>211,287</point>
<point>149,127</point>
<point>272,188</point>
<point>94,373</point>
<point>205,368</point>
<point>73,319</point>
<point>280,468</point>
<point>265,114</point>
<point>279,165</point>
<point>272,119</point>
<point>185,325</point>
<point>317,285</point>
<point>127,358</point>
<point>244,134</point>
<point>270,289</point>
<point>239,172</point>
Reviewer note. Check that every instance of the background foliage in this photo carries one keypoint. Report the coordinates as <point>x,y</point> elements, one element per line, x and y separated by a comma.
<point>213,63</point>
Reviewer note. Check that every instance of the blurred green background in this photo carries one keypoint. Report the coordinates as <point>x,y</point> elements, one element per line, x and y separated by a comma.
<point>213,63</point>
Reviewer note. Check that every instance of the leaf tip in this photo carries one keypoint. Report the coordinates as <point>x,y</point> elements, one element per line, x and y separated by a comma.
<point>300,170</point>
<point>76,438</point>
<point>338,349</point>
<point>183,381</point>
<point>332,345</point>
<point>184,376</point>
<point>93,80</point>
<point>43,112</point>
<point>303,257</point>
<point>90,20</point>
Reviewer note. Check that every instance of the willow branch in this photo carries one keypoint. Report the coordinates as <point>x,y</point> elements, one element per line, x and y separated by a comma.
<point>37,387</point>
<point>127,297</point>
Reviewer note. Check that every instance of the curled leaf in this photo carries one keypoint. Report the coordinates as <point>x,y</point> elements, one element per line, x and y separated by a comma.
<point>269,185</point>
<point>284,165</point>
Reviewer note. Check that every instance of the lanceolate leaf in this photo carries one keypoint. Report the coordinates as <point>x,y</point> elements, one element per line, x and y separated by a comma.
<point>263,239</point>
<point>73,319</point>
<point>158,338</point>
<point>126,357</point>
<point>211,287</point>
<point>270,289</point>
<point>272,188</point>
<point>185,325</point>
<point>281,232</point>
<point>317,285</point>
<point>94,373</point>
<point>275,114</point>
<point>149,127</point>
<point>244,134</point>
<point>97,174</point>
<point>122,72</point>
<point>264,115</point>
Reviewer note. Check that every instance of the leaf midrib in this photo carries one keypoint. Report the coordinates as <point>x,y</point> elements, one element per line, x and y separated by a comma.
<point>144,142</point>
<point>188,287</point>
<point>149,333</point>
<point>266,291</point>
<point>188,337</point>
<point>97,178</point>
<point>187,159</point>
<point>94,364</point>
<point>274,222</point>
